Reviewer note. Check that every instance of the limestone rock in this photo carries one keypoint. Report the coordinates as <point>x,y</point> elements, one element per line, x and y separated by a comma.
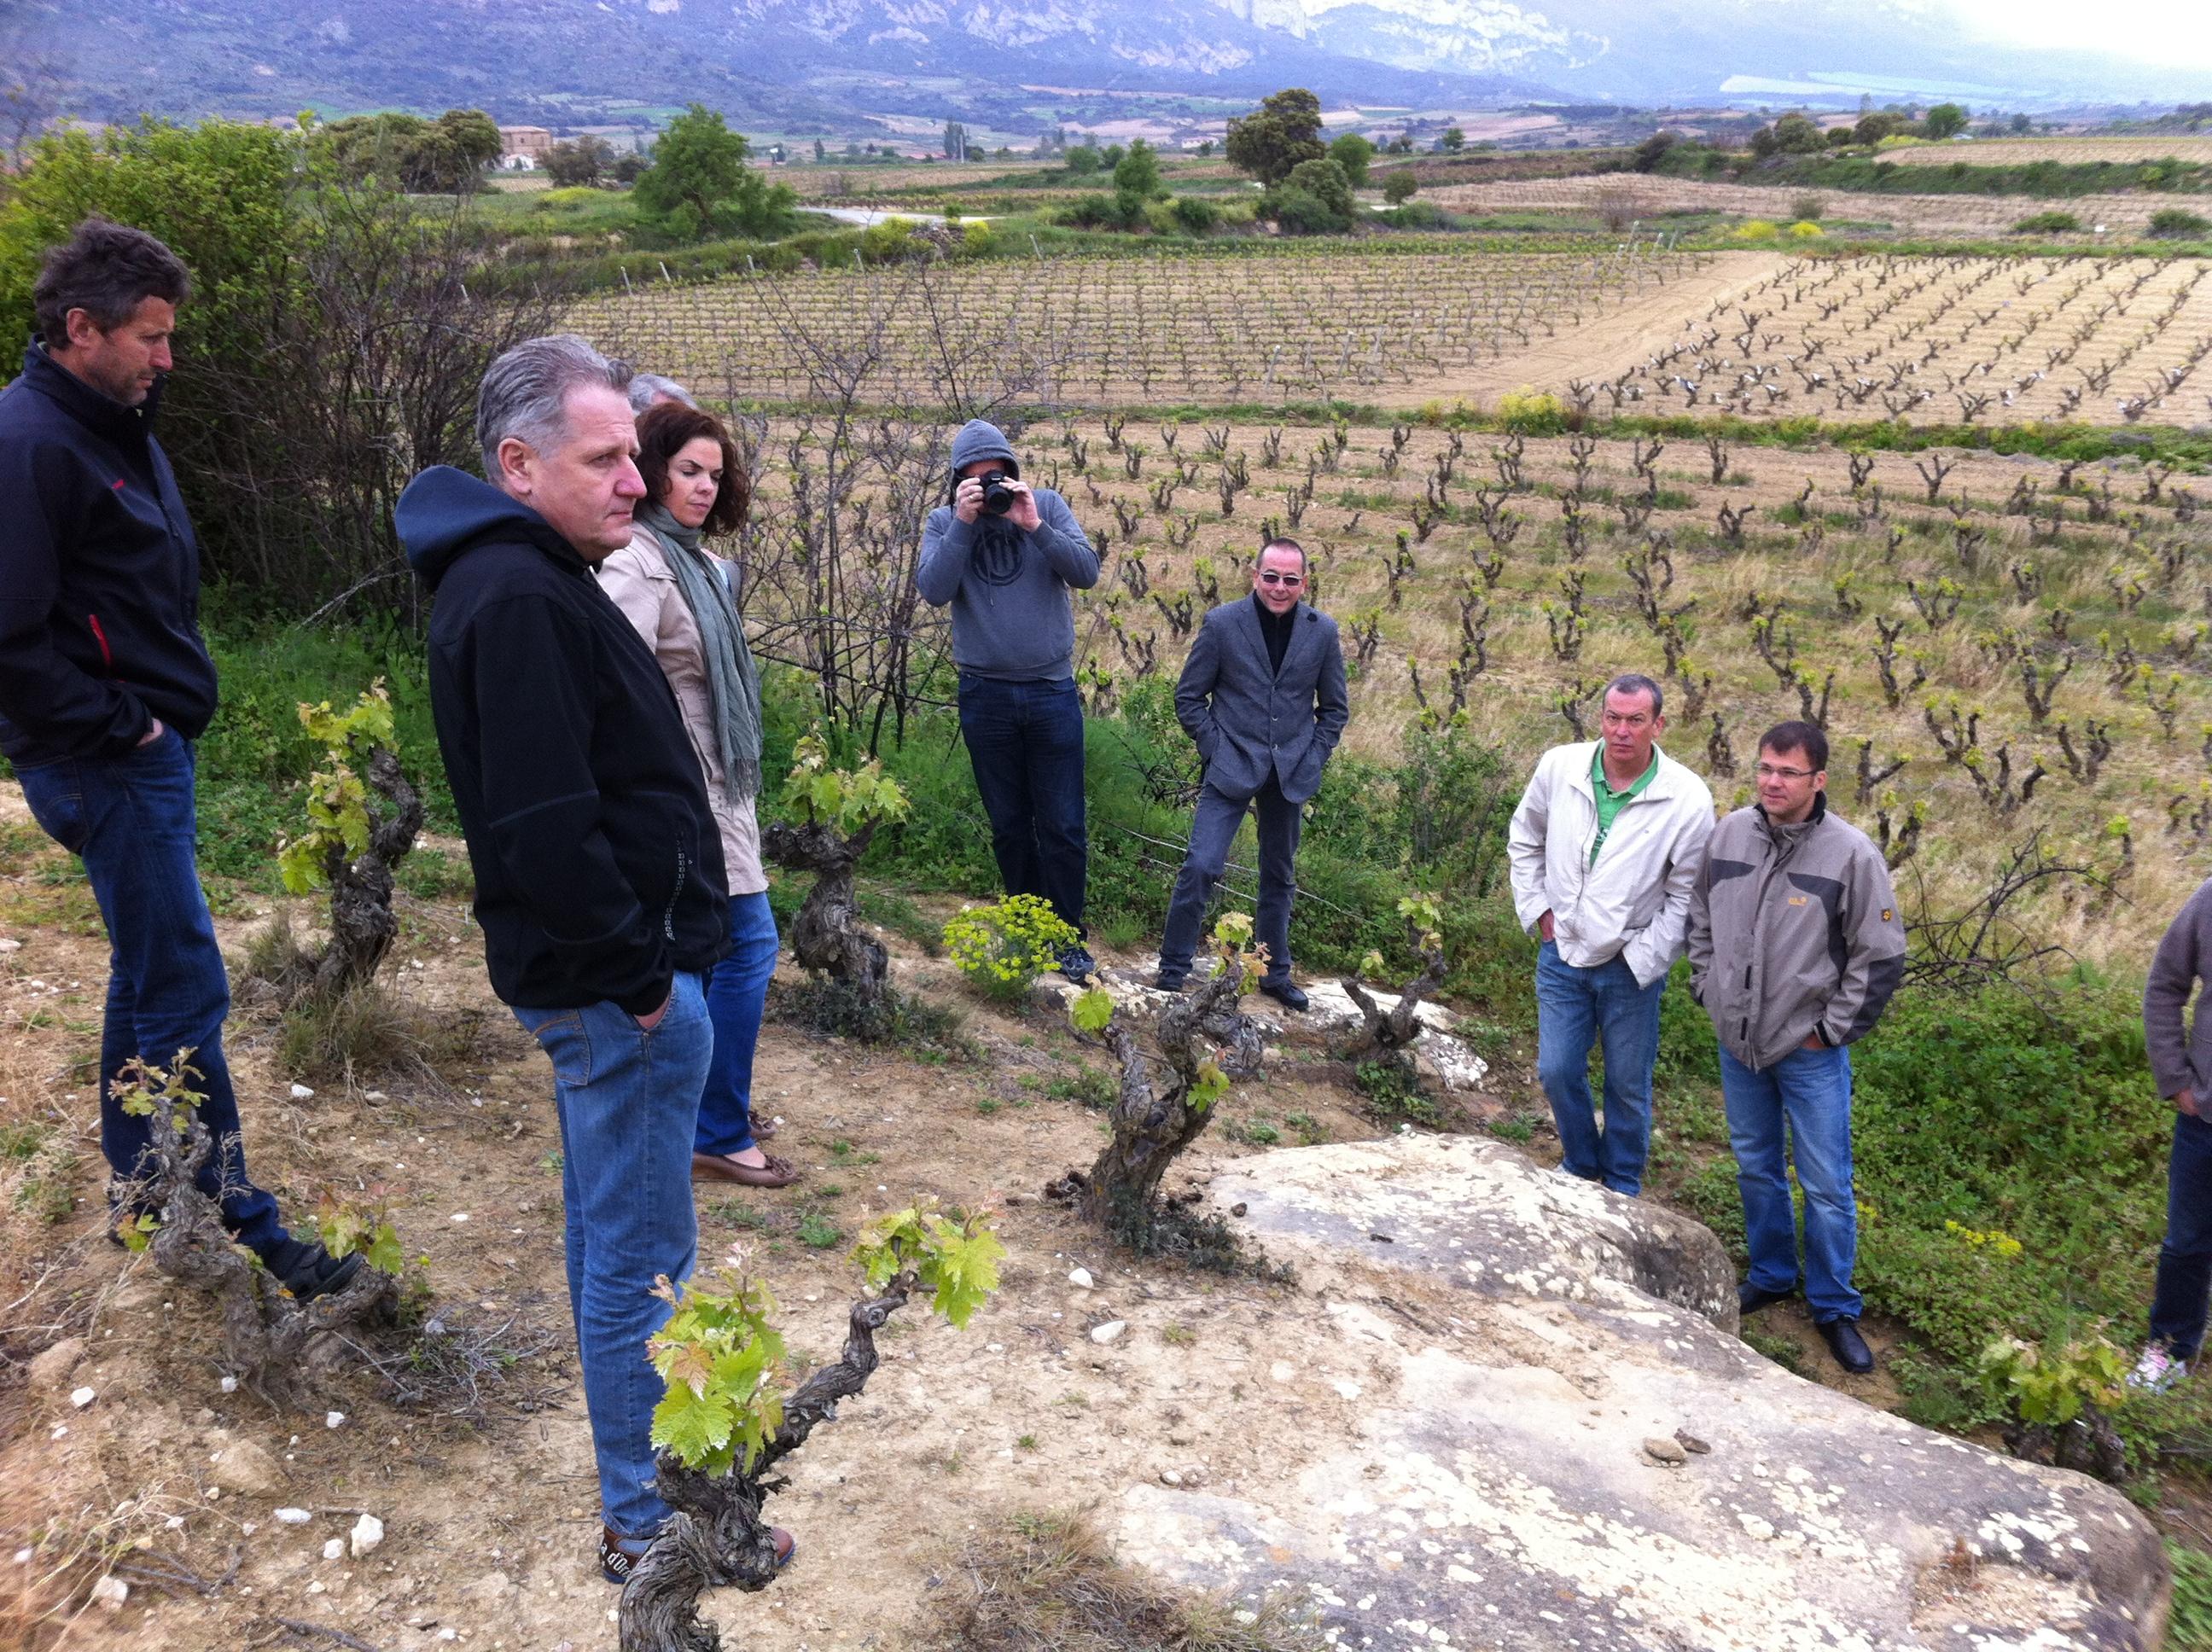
<point>1664,1449</point>
<point>367,1534</point>
<point>1494,1486</point>
<point>245,1467</point>
<point>51,1367</point>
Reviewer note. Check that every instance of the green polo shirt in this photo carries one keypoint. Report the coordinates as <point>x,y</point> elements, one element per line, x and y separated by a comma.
<point>1610,803</point>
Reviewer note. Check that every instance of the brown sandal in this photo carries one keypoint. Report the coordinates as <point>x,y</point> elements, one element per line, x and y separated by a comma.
<point>714,1167</point>
<point>764,1130</point>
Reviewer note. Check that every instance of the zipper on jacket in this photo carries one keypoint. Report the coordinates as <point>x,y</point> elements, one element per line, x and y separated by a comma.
<point>99,636</point>
<point>668,918</point>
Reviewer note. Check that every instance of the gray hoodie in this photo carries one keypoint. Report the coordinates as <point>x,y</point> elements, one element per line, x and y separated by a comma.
<point>2181,1055</point>
<point>1010,614</point>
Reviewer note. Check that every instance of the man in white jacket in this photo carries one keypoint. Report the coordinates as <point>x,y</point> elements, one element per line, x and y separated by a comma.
<point>1605,848</point>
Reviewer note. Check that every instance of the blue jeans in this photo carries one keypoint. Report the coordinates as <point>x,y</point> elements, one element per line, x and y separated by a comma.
<point>1576,1009</point>
<point>629,1102</point>
<point>1212,828</point>
<point>2184,1261</point>
<point>1025,741</point>
<point>1811,1090</point>
<point>132,820</point>
<point>736,991</point>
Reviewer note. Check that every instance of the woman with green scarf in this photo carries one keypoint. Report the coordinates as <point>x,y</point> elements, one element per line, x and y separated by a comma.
<point>679,597</point>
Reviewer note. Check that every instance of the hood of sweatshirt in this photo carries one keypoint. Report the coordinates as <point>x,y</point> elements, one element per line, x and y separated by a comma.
<point>445,511</point>
<point>981,439</point>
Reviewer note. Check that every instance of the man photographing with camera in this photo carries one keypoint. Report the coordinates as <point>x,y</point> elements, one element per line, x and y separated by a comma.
<point>1006,556</point>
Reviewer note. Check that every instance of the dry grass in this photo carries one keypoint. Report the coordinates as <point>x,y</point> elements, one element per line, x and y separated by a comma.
<point>2066,151</point>
<point>1049,1583</point>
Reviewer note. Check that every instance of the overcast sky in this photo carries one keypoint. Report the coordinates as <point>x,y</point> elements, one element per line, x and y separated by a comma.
<point>2178,32</point>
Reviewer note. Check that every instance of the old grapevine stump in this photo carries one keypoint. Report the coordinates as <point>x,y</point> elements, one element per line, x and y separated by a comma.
<point>362,926</point>
<point>826,937</point>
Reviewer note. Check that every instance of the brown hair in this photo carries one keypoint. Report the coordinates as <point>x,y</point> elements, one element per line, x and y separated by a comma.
<point>663,431</point>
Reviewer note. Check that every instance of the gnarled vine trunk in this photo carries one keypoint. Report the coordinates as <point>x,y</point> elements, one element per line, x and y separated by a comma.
<point>273,1342</point>
<point>1153,1123</point>
<point>362,925</point>
<point>718,1537</point>
<point>1389,1034</point>
<point>826,937</point>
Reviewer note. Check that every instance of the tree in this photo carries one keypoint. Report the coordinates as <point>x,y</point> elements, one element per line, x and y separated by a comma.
<point>1653,149</point>
<point>1876,124</point>
<point>423,157</point>
<point>570,165</point>
<point>1283,132</point>
<point>1205,147</point>
<point>1110,156</point>
<point>1353,151</point>
<point>1399,187</point>
<point>1082,159</point>
<point>1453,141</point>
<point>821,151</point>
<point>1136,175</point>
<point>699,184</point>
<point>628,168</point>
<point>450,157</point>
<point>1947,120</point>
<point>2019,126</point>
<point>1794,134</point>
<point>956,140</point>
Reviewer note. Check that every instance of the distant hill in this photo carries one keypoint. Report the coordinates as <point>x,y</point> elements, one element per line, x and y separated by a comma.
<point>797,65</point>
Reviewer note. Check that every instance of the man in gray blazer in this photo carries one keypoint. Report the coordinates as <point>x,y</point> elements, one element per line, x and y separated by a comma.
<point>1263,695</point>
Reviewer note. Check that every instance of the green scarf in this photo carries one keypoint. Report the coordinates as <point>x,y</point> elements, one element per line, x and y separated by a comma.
<point>732,676</point>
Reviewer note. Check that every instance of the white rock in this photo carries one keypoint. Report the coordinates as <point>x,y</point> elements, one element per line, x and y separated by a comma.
<point>1080,1278</point>
<point>230,1385</point>
<point>293,1516</point>
<point>10,946</point>
<point>82,1397</point>
<point>110,1593</point>
<point>1109,1331</point>
<point>245,1467</point>
<point>335,1549</point>
<point>302,1093</point>
<point>368,1533</point>
<point>333,1419</point>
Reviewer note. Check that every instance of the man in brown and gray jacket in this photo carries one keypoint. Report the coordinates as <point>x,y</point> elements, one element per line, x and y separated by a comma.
<point>1795,949</point>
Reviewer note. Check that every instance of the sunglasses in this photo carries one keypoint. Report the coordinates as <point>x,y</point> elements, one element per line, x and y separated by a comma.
<point>1282,579</point>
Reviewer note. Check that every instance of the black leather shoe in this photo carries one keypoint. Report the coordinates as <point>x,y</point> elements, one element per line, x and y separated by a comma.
<point>1750,1298</point>
<point>1848,1347</point>
<point>308,1271</point>
<point>1171,980</point>
<point>1287,994</point>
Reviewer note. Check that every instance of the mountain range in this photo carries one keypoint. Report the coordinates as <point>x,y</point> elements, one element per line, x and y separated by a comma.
<point>1014,65</point>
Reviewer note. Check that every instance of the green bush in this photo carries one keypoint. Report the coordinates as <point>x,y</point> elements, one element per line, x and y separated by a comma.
<point>1196,215</point>
<point>1399,187</point>
<point>2048,223</point>
<point>2177,224</point>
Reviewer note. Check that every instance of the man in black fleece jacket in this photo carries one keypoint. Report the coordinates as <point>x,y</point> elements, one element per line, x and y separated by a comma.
<point>599,871</point>
<point>105,684</point>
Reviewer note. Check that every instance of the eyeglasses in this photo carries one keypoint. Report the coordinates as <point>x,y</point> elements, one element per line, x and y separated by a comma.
<point>1773,772</point>
<point>1282,579</point>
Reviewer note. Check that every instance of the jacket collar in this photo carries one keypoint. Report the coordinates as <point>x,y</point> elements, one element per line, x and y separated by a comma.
<point>98,412</point>
<point>1665,783</point>
<point>1784,833</point>
<point>1300,617</point>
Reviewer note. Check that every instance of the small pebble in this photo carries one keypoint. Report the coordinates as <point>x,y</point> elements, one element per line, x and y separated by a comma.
<point>1661,1449</point>
<point>230,1385</point>
<point>368,1533</point>
<point>82,1397</point>
<point>333,1419</point>
<point>335,1549</point>
<point>1080,1278</point>
<point>1109,1331</point>
<point>302,1093</point>
<point>293,1516</point>
<point>110,1593</point>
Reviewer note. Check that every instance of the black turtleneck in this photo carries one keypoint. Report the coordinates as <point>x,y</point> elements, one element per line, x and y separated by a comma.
<point>1276,629</point>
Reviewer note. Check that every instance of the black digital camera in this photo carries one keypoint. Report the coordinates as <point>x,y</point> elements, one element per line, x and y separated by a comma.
<point>998,497</point>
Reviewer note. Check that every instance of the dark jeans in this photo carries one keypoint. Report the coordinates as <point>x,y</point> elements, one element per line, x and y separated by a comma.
<point>1212,828</point>
<point>131,819</point>
<point>2184,1261</point>
<point>1576,1009</point>
<point>1025,740</point>
<point>736,991</point>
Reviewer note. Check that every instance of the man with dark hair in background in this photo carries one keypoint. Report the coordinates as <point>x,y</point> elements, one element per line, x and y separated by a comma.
<point>105,683</point>
<point>1263,695</point>
<point>1603,847</point>
<point>1795,948</point>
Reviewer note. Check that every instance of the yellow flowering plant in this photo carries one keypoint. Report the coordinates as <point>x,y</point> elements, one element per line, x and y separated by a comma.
<point>1003,947</point>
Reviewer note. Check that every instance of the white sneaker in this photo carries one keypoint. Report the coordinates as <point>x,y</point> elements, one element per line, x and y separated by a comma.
<point>2157,1371</point>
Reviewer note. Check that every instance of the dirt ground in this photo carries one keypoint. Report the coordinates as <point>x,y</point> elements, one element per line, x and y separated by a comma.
<point>490,1525</point>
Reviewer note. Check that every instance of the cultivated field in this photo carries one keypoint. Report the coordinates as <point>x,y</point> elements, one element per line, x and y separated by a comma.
<point>1299,325</point>
<point>1650,197</point>
<point>1959,340</point>
<point>2066,151</point>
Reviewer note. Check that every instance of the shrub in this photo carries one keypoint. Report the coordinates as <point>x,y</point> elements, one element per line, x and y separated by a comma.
<point>1399,187</point>
<point>2048,223</point>
<point>1809,208</point>
<point>1195,215</point>
<point>1757,230</point>
<point>1004,948</point>
<point>2178,223</point>
<point>1805,232</point>
<point>1533,412</point>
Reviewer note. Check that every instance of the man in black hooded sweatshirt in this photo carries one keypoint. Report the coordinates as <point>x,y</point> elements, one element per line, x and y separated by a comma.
<point>105,684</point>
<point>599,871</point>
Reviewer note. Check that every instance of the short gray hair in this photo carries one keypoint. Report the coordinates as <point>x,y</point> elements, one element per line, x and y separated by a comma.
<point>525,393</point>
<point>647,388</point>
<point>1637,683</point>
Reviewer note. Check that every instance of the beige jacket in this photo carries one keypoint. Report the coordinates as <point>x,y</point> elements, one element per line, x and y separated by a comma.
<point>1634,902</point>
<point>637,577</point>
